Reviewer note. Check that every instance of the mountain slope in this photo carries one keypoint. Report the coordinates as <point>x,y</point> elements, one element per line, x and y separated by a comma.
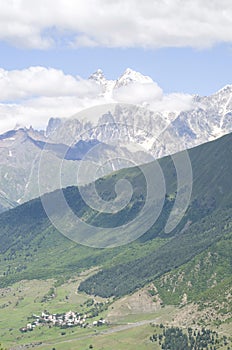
<point>207,274</point>
<point>126,134</point>
<point>125,278</point>
<point>30,245</point>
<point>20,161</point>
<point>209,213</point>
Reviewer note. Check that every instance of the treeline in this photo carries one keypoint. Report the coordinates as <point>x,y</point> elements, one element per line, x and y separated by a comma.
<point>176,338</point>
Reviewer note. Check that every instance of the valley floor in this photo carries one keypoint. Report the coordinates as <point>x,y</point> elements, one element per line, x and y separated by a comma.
<point>131,320</point>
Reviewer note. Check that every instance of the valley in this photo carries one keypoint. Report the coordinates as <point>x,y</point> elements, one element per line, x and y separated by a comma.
<point>128,324</point>
<point>115,175</point>
<point>181,279</point>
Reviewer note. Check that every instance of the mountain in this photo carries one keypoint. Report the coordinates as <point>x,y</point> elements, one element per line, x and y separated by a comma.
<point>32,248</point>
<point>158,131</point>
<point>27,156</point>
<point>181,278</point>
<point>108,137</point>
<point>128,77</point>
<point>106,85</point>
<point>205,229</point>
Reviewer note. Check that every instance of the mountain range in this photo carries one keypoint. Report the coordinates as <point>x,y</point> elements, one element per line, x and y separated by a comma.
<point>159,132</point>
<point>110,136</point>
<point>188,267</point>
<point>26,229</point>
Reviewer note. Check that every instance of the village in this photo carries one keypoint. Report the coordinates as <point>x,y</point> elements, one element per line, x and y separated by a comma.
<point>64,320</point>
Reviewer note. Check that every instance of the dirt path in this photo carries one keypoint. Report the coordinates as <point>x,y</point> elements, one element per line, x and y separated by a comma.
<point>110,330</point>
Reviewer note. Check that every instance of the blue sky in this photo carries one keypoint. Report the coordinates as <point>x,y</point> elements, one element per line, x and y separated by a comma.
<point>188,70</point>
<point>185,46</point>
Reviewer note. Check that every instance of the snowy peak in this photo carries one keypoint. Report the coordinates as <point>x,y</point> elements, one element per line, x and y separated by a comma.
<point>98,77</point>
<point>220,102</point>
<point>226,89</point>
<point>130,76</point>
<point>107,85</point>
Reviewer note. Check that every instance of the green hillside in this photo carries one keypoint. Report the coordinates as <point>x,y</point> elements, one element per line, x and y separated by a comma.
<point>124,278</point>
<point>207,278</point>
<point>32,248</point>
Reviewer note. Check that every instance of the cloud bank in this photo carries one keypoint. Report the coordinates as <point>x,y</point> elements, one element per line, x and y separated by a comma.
<point>37,81</point>
<point>31,96</point>
<point>138,93</point>
<point>106,23</point>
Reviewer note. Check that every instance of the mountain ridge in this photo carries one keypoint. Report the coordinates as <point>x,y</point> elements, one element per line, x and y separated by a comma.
<point>33,234</point>
<point>189,269</point>
<point>131,133</point>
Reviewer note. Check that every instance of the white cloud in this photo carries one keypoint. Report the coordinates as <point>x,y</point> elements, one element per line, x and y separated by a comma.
<point>138,93</point>
<point>175,102</point>
<point>131,23</point>
<point>31,96</point>
<point>36,112</point>
<point>40,81</point>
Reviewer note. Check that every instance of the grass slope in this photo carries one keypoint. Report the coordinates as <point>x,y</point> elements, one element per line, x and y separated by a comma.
<point>32,248</point>
<point>124,278</point>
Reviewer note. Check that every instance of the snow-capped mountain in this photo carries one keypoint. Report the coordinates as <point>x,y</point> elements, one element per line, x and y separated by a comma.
<point>159,132</point>
<point>129,77</point>
<point>107,86</point>
<point>111,136</point>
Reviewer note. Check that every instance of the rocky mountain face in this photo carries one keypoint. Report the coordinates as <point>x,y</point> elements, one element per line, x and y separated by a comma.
<point>128,77</point>
<point>159,133</point>
<point>31,164</point>
<point>106,138</point>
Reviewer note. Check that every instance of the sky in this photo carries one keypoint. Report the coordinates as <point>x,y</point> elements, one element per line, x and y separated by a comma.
<point>49,48</point>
